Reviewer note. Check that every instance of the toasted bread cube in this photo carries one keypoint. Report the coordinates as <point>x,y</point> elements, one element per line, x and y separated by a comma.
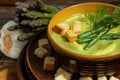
<point>110,74</point>
<point>72,62</point>
<point>43,43</point>
<point>71,36</point>
<point>61,28</point>
<point>102,78</point>
<point>85,78</point>
<point>60,77</point>
<point>113,78</point>
<point>63,72</point>
<point>77,27</point>
<point>49,63</point>
<point>41,52</point>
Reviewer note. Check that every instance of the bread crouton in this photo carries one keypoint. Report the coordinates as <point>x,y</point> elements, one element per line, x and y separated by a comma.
<point>49,63</point>
<point>71,36</point>
<point>41,52</point>
<point>43,43</point>
<point>60,77</point>
<point>85,78</point>
<point>102,78</point>
<point>113,78</point>
<point>72,62</point>
<point>67,75</point>
<point>77,27</point>
<point>61,28</point>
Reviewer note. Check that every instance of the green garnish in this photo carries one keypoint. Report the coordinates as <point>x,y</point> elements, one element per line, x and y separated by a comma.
<point>101,24</point>
<point>93,18</point>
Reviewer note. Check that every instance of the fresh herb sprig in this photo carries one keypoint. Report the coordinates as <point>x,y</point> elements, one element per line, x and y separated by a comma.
<point>94,18</point>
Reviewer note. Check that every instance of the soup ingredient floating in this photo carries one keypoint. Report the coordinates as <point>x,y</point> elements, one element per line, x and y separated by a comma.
<point>101,24</point>
<point>70,32</point>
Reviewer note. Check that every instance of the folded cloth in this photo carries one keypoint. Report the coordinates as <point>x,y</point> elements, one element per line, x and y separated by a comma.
<point>8,70</point>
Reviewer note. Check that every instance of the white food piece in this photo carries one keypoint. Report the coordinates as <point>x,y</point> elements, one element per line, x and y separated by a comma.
<point>43,43</point>
<point>67,75</point>
<point>41,52</point>
<point>10,45</point>
<point>72,62</point>
<point>60,77</point>
<point>102,78</point>
<point>110,74</point>
<point>85,78</point>
<point>113,78</point>
<point>49,63</point>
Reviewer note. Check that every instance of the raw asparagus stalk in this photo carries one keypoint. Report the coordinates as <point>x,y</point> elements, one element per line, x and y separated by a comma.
<point>12,28</point>
<point>32,17</point>
<point>49,9</point>
<point>39,22</point>
<point>35,15</point>
<point>36,23</point>
<point>25,36</point>
<point>46,8</point>
<point>21,5</point>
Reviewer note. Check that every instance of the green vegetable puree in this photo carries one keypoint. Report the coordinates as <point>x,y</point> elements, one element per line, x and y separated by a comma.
<point>100,48</point>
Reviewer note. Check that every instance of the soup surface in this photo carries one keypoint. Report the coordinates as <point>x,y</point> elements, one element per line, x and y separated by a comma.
<point>100,48</point>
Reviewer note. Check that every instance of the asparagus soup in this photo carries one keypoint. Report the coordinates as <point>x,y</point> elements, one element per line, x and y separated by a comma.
<point>102,37</point>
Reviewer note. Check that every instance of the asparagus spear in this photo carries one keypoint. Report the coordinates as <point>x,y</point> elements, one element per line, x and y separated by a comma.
<point>21,5</point>
<point>35,23</point>
<point>94,40</point>
<point>35,15</point>
<point>39,22</point>
<point>49,9</point>
<point>107,24</point>
<point>90,32</point>
<point>46,8</point>
<point>100,26</point>
<point>12,28</point>
<point>110,36</point>
<point>25,36</point>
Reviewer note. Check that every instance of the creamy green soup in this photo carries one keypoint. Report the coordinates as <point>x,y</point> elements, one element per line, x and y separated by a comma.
<point>100,48</point>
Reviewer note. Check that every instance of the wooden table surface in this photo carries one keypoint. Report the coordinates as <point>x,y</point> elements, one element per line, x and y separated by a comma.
<point>6,14</point>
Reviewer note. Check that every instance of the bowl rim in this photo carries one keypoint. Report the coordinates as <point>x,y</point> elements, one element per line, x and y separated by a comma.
<point>79,55</point>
